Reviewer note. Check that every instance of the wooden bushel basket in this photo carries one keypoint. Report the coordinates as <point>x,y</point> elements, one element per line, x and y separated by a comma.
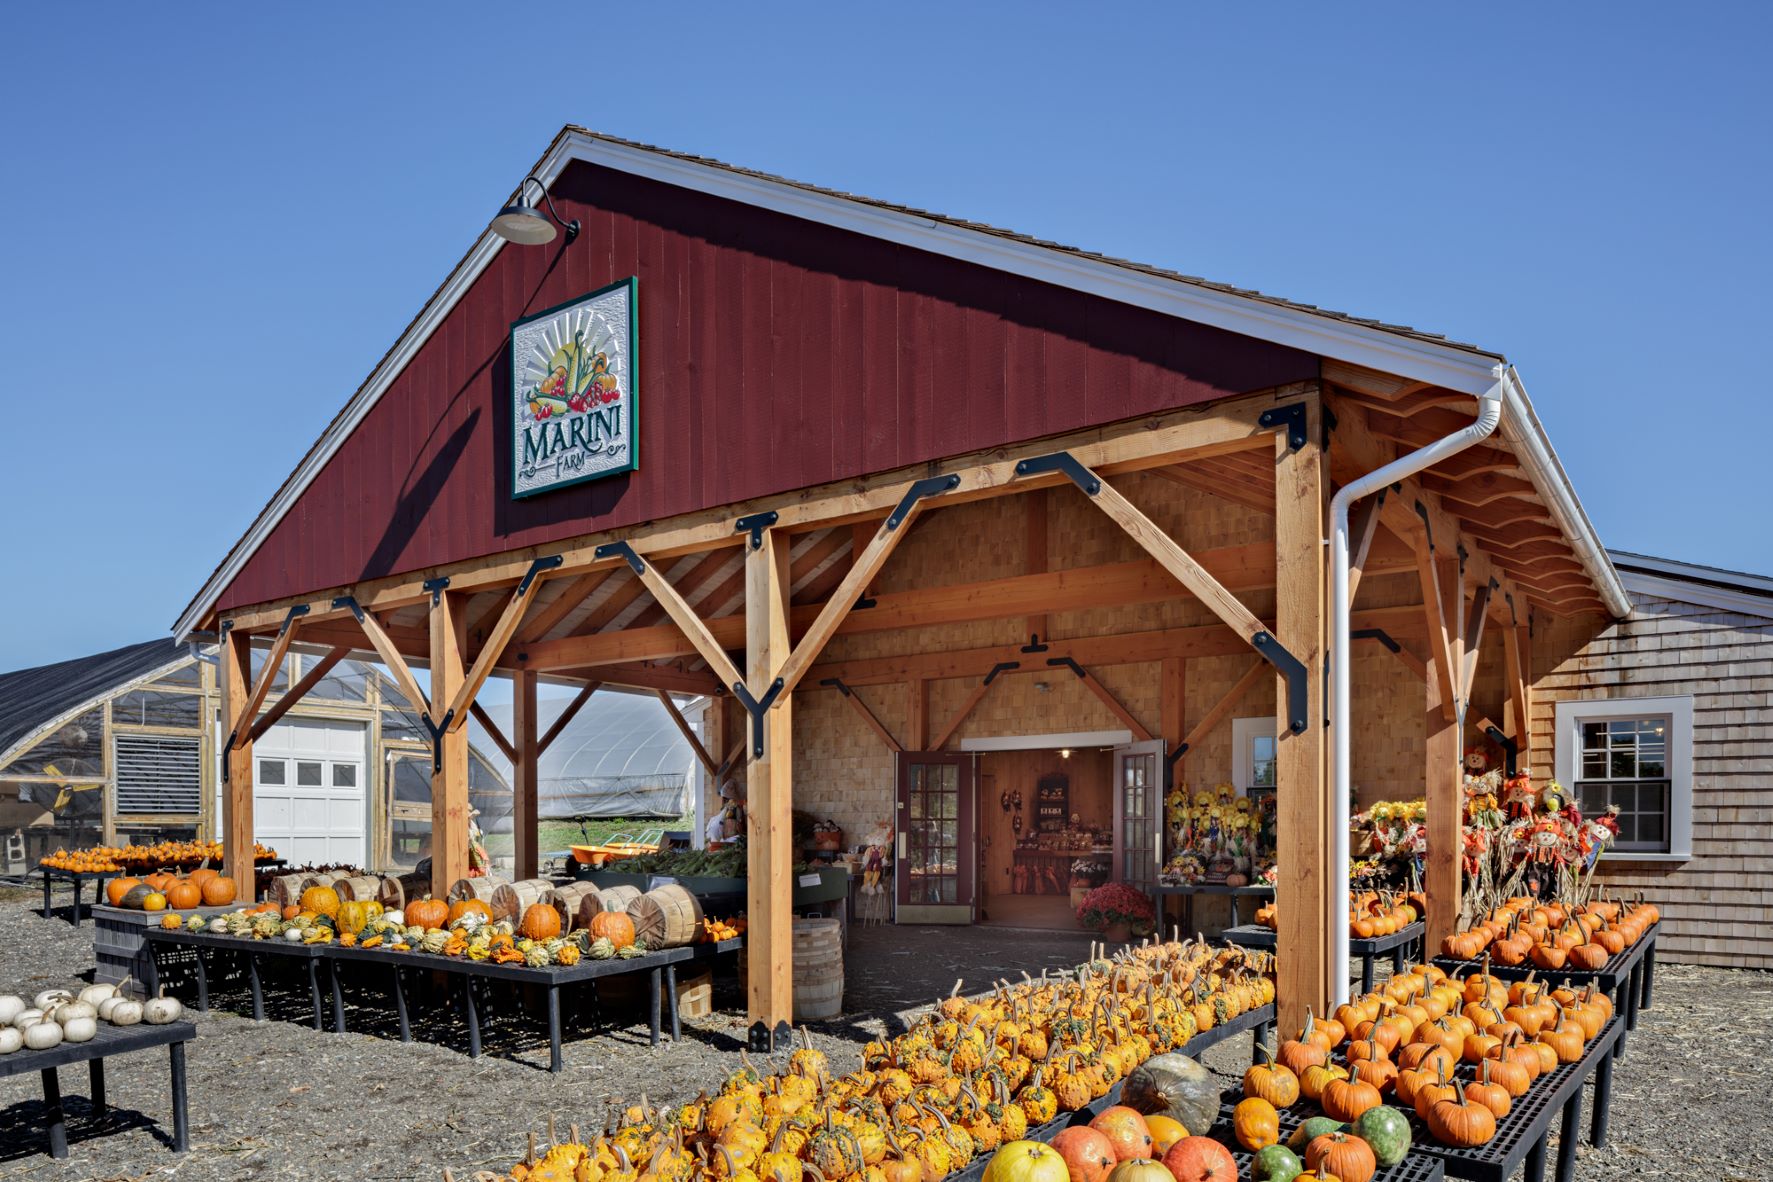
<point>666,917</point>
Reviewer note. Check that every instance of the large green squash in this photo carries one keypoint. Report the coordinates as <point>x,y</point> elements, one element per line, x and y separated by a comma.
<point>1386,1132</point>
<point>136,898</point>
<point>1174,1086</point>
<point>1310,1129</point>
<point>1275,1163</point>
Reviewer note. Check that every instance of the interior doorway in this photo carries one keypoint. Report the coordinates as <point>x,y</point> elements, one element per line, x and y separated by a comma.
<point>1046,822</point>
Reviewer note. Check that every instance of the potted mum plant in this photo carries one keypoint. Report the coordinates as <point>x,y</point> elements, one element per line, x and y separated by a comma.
<point>1118,911</point>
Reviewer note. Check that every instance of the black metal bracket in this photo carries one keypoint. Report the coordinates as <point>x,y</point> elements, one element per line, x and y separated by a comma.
<point>624,551</point>
<point>295,613</point>
<point>1511,750</point>
<point>1175,753</point>
<point>1001,667</point>
<point>1514,617</point>
<point>535,570</point>
<point>436,587</point>
<point>864,603</point>
<point>761,1040</point>
<point>1292,418</point>
<point>755,525</point>
<point>1061,461</point>
<point>1379,634</point>
<point>758,709</point>
<point>1034,645</point>
<point>227,627</point>
<point>349,602</point>
<point>1069,663</point>
<point>1427,527</point>
<point>1298,687</point>
<point>837,684</point>
<point>928,487</point>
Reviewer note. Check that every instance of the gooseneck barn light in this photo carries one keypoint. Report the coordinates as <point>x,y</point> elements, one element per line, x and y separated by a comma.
<point>524,224</point>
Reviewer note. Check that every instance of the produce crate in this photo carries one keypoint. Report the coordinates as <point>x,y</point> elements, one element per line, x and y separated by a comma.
<point>120,948</point>
<point>695,994</point>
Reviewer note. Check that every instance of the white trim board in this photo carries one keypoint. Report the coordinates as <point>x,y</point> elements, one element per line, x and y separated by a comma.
<point>1682,591</point>
<point>1329,336</point>
<point>1566,742</point>
<point>1076,740</point>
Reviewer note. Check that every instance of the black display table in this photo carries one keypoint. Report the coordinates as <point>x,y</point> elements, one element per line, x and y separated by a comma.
<point>470,975</point>
<point>1188,893</point>
<point>79,879</point>
<point>1397,943</point>
<point>110,1040</point>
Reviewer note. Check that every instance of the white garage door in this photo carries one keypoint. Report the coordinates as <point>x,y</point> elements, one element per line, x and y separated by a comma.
<point>309,798</point>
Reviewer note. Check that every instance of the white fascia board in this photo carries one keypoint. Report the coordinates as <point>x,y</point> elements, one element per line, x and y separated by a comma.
<point>1681,591</point>
<point>1327,336</point>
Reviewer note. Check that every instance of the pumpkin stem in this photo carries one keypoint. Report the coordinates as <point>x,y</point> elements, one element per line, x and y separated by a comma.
<point>530,1157</point>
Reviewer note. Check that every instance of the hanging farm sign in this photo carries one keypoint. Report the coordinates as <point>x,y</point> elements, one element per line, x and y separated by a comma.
<point>573,379</point>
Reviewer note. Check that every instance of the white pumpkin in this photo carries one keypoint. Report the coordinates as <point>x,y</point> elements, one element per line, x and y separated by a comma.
<point>51,997</point>
<point>11,1006</point>
<point>396,918</point>
<point>92,995</point>
<point>43,1035</point>
<point>218,926</point>
<point>109,1004</point>
<point>125,1013</point>
<point>80,1029</point>
<point>293,935</point>
<point>28,1017</point>
<point>160,1010</point>
<point>68,1011</point>
<point>10,1040</point>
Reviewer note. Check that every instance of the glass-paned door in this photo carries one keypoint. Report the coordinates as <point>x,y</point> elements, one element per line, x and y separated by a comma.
<point>1138,813</point>
<point>936,855</point>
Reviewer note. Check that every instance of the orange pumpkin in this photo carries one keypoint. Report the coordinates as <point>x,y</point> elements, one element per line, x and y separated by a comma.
<point>614,926</point>
<point>117,888</point>
<point>540,922</point>
<point>428,913</point>
<point>463,907</point>
<point>202,876</point>
<point>1126,1131</point>
<point>217,892</point>
<point>182,896</point>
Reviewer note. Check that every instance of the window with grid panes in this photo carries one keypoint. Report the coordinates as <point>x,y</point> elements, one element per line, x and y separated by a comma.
<point>1624,763</point>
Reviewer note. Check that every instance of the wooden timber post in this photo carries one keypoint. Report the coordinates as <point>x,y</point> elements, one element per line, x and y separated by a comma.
<point>525,805</point>
<point>1307,907</point>
<point>235,671</point>
<point>1444,779</point>
<point>449,768</point>
<point>770,884</point>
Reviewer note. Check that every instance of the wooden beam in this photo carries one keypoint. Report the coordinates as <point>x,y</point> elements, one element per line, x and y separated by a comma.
<point>574,593</point>
<point>1443,775</point>
<point>686,619</point>
<point>396,663</point>
<point>313,677</point>
<point>492,728</point>
<point>1116,707</point>
<point>1036,563</point>
<point>267,675</point>
<point>1233,490</point>
<point>566,715</point>
<point>1308,892</point>
<point>1361,528</point>
<point>1216,428</point>
<point>1410,660</point>
<point>1439,645</point>
<point>770,798</point>
<point>734,755</point>
<point>1474,638</point>
<point>525,783</point>
<point>1225,705</point>
<point>869,717</point>
<point>917,713</point>
<point>1520,656</point>
<point>455,709</point>
<point>688,732</point>
<point>643,676</point>
<point>1172,705</point>
<point>825,550</point>
<point>234,666</point>
<point>973,698</point>
<point>449,771</point>
<point>691,581</point>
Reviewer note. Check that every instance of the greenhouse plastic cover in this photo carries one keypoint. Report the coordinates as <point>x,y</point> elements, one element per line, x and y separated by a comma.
<point>620,756</point>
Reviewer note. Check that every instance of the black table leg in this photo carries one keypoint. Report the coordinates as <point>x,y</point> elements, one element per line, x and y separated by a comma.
<point>554,1028</point>
<point>1649,974</point>
<point>181,1116</point>
<point>1366,973</point>
<point>314,994</point>
<point>1535,1171</point>
<point>257,987</point>
<point>53,1116</point>
<point>202,981</point>
<point>1259,1041</point>
<point>671,1001</point>
<point>1397,960</point>
<point>1603,1102</point>
<point>400,1006</point>
<point>152,984</point>
<point>95,1070</point>
<point>338,998</point>
<point>653,984</point>
<point>46,907</point>
<point>1628,993</point>
<point>1235,922</point>
<point>472,1011</point>
<point>1567,1137</point>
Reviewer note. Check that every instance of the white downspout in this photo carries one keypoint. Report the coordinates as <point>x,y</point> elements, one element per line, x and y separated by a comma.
<point>1489,416</point>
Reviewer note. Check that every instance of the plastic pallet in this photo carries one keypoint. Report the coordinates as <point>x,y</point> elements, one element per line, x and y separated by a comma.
<point>1415,1167</point>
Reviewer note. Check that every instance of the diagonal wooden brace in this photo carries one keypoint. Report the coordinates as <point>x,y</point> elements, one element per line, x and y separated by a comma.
<point>267,675</point>
<point>456,713</point>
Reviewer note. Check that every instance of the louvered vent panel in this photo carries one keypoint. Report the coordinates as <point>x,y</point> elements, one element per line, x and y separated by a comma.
<point>157,774</point>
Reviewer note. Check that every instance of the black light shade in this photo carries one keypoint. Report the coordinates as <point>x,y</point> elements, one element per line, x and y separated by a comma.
<point>523,224</point>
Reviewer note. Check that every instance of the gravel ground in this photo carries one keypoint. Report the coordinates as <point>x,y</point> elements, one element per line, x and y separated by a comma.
<point>279,1100</point>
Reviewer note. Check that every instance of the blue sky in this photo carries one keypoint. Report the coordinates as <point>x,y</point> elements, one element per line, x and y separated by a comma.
<point>221,216</point>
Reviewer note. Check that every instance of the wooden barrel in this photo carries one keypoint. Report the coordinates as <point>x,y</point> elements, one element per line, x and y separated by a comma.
<point>481,888</point>
<point>617,898</point>
<point>665,917</point>
<point>286,889</point>
<point>397,892</point>
<point>511,898</point>
<point>818,969</point>
<point>578,903</point>
<point>362,888</point>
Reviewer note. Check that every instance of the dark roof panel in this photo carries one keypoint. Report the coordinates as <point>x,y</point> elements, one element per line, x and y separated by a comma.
<point>31,698</point>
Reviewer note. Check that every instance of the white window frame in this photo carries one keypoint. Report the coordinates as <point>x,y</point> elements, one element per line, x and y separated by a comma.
<point>1568,743</point>
<point>1243,732</point>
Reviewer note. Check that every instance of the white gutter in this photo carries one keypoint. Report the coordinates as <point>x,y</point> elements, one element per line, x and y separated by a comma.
<point>1489,416</point>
